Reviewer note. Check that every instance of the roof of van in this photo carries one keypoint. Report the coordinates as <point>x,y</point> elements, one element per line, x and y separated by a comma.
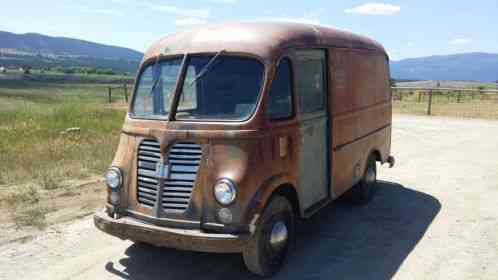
<point>263,39</point>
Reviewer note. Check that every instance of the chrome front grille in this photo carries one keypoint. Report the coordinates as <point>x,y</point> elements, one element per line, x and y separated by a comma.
<point>184,159</point>
<point>149,156</point>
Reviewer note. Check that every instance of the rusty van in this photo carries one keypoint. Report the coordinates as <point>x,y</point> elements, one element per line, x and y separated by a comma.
<point>236,130</point>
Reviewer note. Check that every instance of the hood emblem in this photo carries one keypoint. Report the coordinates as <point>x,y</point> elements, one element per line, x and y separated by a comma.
<point>162,170</point>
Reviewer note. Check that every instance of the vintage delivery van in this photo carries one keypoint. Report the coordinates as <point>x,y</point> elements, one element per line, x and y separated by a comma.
<point>234,131</point>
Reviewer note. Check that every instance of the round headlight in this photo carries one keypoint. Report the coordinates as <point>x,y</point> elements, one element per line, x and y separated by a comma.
<point>224,192</point>
<point>114,178</point>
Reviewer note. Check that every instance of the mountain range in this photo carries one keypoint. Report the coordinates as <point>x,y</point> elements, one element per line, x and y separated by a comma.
<point>456,67</point>
<point>40,51</point>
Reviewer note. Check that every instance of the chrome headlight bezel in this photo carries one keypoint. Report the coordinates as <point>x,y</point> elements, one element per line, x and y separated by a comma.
<point>225,191</point>
<point>114,178</point>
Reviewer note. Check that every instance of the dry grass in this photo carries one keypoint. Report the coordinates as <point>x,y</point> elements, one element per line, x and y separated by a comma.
<point>36,156</point>
<point>23,203</point>
<point>453,104</point>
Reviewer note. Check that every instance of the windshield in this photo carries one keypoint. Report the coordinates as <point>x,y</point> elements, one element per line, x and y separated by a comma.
<point>220,88</point>
<point>155,89</point>
<point>215,87</point>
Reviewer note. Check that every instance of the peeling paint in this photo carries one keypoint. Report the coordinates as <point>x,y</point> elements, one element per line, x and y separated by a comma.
<point>252,224</point>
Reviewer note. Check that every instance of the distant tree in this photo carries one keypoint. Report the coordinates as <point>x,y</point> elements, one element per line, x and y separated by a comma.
<point>105,72</point>
<point>392,82</point>
<point>26,69</point>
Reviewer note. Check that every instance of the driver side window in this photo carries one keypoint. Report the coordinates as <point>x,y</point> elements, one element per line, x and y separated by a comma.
<point>280,97</point>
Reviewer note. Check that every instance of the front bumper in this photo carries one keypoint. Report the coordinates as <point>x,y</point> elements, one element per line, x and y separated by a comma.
<point>190,240</point>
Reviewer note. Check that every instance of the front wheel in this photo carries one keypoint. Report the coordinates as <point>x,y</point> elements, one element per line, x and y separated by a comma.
<point>268,247</point>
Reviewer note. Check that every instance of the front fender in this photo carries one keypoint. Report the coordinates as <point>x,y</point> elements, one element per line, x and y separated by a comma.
<point>264,193</point>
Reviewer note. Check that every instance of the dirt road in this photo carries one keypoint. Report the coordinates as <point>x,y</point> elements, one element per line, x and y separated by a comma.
<point>435,216</point>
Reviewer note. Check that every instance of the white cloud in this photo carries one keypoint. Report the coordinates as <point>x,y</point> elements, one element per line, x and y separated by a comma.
<point>110,12</point>
<point>460,41</point>
<point>374,9</point>
<point>410,44</point>
<point>197,13</point>
<point>189,21</point>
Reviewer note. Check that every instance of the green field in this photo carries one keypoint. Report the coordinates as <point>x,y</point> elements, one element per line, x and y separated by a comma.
<point>37,153</point>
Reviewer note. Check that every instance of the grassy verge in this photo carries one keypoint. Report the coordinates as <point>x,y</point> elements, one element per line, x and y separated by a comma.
<point>452,104</point>
<point>39,152</point>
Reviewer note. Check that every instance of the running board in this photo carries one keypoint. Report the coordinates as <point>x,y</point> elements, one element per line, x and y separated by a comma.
<point>317,206</point>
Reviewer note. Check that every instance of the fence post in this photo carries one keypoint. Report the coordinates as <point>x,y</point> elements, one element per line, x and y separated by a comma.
<point>496,93</point>
<point>429,105</point>
<point>126,92</point>
<point>109,95</point>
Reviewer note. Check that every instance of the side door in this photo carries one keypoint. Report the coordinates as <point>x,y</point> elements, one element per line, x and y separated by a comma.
<point>311,83</point>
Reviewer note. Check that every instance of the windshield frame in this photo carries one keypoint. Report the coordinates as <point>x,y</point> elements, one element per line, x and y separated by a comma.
<point>151,63</point>
<point>180,83</point>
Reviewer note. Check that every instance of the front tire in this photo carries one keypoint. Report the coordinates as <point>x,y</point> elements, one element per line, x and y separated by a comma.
<point>269,246</point>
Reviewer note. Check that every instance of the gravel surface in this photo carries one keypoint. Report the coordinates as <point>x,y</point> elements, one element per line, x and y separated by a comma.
<point>435,216</point>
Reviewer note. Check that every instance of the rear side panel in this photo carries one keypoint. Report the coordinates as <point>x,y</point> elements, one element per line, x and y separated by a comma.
<point>361,108</point>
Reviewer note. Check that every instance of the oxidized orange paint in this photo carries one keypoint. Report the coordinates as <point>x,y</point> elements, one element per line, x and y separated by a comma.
<point>250,153</point>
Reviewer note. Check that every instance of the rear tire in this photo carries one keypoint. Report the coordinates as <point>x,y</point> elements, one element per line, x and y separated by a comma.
<point>363,191</point>
<point>269,246</point>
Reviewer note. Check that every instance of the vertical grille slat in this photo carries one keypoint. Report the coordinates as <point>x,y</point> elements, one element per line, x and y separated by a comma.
<point>147,185</point>
<point>184,159</point>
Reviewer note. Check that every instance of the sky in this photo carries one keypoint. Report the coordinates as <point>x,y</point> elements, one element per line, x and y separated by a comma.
<point>406,28</point>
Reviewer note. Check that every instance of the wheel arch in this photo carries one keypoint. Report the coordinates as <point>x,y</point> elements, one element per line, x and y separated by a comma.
<point>280,185</point>
<point>289,192</point>
<point>376,153</point>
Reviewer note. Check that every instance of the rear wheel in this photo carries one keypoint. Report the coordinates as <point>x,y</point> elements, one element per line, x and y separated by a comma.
<point>363,191</point>
<point>268,247</point>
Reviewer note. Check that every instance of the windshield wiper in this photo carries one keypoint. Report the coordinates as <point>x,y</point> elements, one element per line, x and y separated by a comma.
<point>156,80</point>
<point>206,68</point>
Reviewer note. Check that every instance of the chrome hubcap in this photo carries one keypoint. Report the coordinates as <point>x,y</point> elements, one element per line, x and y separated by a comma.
<point>370,176</point>
<point>278,236</point>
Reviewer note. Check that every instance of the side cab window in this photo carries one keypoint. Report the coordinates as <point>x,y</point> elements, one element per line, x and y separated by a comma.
<point>280,104</point>
<point>310,78</point>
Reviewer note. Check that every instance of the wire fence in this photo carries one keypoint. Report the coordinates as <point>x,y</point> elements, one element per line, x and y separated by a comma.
<point>118,93</point>
<point>436,101</point>
<point>458,102</point>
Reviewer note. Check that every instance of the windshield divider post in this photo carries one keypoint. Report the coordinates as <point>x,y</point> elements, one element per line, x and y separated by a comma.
<point>178,89</point>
